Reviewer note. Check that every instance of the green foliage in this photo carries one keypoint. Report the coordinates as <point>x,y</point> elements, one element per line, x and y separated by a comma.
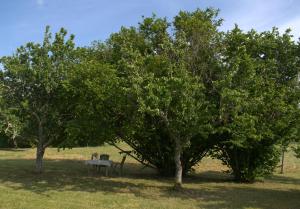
<point>297,151</point>
<point>33,85</point>
<point>91,94</point>
<point>258,103</point>
<point>165,97</point>
<point>173,91</point>
<point>10,124</point>
<point>33,80</point>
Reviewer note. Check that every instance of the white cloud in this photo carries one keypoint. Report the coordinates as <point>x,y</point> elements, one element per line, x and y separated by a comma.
<point>40,2</point>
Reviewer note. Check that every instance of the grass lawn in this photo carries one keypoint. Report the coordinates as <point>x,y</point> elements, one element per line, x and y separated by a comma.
<point>66,184</point>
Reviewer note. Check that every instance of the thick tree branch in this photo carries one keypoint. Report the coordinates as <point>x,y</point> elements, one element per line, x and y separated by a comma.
<point>145,164</point>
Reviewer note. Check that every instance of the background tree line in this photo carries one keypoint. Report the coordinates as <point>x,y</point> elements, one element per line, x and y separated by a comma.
<point>174,91</point>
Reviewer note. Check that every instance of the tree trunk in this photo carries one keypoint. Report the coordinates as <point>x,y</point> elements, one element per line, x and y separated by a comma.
<point>39,159</point>
<point>282,160</point>
<point>178,171</point>
<point>14,140</point>
<point>40,149</point>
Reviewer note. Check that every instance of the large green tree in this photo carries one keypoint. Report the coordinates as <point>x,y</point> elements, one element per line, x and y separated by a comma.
<point>246,84</point>
<point>33,89</point>
<point>162,75</point>
<point>257,100</point>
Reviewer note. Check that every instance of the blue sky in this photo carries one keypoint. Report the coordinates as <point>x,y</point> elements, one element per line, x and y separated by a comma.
<point>22,21</point>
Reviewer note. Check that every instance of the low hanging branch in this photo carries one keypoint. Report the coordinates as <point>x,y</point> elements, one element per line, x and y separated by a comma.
<point>128,153</point>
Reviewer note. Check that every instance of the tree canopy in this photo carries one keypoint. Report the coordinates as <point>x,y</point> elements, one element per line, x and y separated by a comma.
<point>33,89</point>
<point>173,91</point>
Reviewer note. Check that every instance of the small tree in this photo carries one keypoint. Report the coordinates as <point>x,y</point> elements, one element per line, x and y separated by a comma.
<point>32,80</point>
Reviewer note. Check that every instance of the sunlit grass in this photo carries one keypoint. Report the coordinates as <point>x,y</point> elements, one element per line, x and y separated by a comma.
<point>67,184</point>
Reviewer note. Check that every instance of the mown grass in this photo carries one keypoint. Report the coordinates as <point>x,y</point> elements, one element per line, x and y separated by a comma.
<point>66,184</point>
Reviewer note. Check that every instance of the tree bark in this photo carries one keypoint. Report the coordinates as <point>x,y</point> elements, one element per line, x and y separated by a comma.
<point>177,154</point>
<point>178,171</point>
<point>40,149</point>
<point>13,138</point>
<point>282,160</point>
<point>39,159</point>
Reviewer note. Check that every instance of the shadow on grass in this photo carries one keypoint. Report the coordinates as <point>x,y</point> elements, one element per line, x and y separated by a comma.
<point>72,175</point>
<point>13,149</point>
<point>279,178</point>
<point>209,176</point>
